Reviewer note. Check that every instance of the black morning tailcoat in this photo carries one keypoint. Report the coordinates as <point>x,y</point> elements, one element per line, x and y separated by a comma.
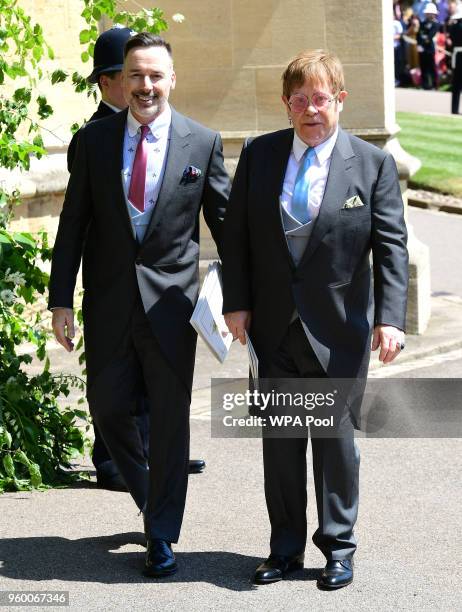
<point>101,112</point>
<point>338,294</point>
<point>164,269</point>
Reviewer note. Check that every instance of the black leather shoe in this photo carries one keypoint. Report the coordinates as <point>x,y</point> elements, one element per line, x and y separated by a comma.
<point>275,567</point>
<point>160,560</point>
<point>107,477</point>
<point>196,466</point>
<point>336,574</point>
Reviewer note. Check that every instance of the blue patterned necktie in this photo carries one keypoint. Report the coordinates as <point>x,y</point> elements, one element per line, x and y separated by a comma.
<point>299,206</point>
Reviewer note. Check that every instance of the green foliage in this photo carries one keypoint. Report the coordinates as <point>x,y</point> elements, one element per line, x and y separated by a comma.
<point>58,76</point>
<point>22,47</point>
<point>146,20</point>
<point>37,438</point>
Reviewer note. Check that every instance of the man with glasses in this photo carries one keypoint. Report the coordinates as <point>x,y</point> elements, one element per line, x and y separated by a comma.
<point>307,206</point>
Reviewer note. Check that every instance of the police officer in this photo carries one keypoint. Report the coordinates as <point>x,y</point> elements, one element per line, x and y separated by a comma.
<point>426,46</point>
<point>107,67</point>
<point>455,35</point>
<point>107,71</point>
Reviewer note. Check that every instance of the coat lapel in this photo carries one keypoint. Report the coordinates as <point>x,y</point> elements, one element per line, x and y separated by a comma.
<point>112,156</point>
<point>337,185</point>
<point>177,160</point>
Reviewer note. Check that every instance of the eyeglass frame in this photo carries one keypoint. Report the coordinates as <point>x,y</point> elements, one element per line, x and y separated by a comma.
<point>310,101</point>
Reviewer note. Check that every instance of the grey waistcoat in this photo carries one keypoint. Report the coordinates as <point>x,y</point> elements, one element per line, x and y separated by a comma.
<point>139,220</point>
<point>297,237</point>
<point>297,234</point>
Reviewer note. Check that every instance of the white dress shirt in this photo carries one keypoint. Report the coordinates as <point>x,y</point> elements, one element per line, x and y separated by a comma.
<point>111,106</point>
<point>157,139</point>
<point>317,173</point>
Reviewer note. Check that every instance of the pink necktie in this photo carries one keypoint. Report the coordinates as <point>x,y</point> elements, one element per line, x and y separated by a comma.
<point>138,179</point>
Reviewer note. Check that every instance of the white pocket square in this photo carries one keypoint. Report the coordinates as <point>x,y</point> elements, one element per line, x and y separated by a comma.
<point>353,202</point>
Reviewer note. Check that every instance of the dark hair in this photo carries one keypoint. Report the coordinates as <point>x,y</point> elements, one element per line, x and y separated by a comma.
<point>146,39</point>
<point>112,75</point>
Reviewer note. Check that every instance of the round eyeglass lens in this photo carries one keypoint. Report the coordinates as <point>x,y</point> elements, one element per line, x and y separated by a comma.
<point>299,102</point>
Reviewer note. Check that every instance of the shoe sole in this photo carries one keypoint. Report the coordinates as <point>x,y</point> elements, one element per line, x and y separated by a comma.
<point>151,574</point>
<point>291,568</point>
<point>333,587</point>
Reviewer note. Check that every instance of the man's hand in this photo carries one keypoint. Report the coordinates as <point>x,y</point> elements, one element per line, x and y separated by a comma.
<point>238,322</point>
<point>389,339</point>
<point>63,327</point>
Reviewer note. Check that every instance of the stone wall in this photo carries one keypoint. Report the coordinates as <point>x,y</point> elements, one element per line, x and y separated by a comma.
<point>229,57</point>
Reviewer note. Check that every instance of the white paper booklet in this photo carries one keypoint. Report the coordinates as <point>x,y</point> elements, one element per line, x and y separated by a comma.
<point>253,359</point>
<point>207,319</point>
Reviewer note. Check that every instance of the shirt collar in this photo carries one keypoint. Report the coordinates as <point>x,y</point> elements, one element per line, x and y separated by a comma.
<point>322,151</point>
<point>158,127</point>
<point>111,106</point>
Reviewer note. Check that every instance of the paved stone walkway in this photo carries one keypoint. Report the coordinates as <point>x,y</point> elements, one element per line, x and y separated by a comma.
<point>420,101</point>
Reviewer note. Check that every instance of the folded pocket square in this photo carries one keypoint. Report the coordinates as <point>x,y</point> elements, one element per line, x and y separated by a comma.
<point>191,173</point>
<point>353,202</point>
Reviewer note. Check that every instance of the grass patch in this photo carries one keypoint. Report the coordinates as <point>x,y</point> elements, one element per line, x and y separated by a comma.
<point>437,142</point>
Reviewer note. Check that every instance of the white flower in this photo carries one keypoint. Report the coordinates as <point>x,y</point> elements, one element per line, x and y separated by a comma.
<point>178,18</point>
<point>16,278</point>
<point>7,296</point>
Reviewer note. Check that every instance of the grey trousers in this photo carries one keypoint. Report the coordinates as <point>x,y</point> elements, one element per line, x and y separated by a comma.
<point>335,467</point>
<point>139,365</point>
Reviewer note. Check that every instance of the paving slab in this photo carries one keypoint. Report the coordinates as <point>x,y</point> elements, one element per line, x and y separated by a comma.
<point>410,100</point>
<point>89,542</point>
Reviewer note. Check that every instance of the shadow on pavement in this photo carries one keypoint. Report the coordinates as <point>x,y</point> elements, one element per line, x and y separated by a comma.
<point>102,559</point>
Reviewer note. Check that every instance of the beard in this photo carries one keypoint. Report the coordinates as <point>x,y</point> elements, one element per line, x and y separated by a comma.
<point>140,107</point>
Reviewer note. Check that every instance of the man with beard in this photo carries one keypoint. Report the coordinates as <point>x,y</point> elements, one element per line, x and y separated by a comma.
<point>108,60</point>
<point>138,182</point>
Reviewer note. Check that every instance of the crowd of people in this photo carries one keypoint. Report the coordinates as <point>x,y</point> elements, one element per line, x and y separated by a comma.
<point>427,40</point>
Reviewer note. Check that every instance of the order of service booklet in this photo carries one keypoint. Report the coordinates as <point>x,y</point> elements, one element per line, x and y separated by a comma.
<point>207,318</point>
